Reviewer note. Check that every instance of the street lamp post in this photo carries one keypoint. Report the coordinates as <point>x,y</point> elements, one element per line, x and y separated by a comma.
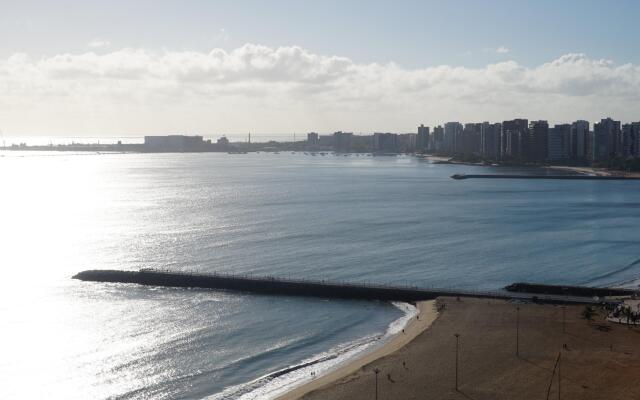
<point>376,371</point>
<point>559,378</point>
<point>518,331</point>
<point>457,335</point>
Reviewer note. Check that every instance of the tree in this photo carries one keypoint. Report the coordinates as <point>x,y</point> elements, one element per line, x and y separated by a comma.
<point>626,312</point>
<point>588,313</point>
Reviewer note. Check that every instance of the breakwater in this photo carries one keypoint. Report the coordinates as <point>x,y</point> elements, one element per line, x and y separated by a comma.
<point>313,288</point>
<point>557,177</point>
<point>582,291</point>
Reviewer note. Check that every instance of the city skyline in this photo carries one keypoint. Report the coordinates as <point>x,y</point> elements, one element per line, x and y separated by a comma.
<point>161,67</point>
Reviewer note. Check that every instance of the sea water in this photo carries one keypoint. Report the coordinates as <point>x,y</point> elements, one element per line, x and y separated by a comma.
<point>359,218</point>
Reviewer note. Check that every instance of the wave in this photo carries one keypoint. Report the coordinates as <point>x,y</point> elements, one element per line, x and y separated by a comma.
<point>279,382</point>
<point>615,272</point>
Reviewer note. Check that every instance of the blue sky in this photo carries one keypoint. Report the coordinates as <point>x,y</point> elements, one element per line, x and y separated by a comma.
<point>109,67</point>
<point>411,33</point>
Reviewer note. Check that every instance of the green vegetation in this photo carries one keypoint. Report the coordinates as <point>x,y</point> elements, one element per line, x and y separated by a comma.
<point>620,164</point>
<point>588,313</point>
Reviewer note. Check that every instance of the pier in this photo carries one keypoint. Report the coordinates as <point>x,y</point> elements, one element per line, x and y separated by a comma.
<point>314,288</point>
<point>564,177</point>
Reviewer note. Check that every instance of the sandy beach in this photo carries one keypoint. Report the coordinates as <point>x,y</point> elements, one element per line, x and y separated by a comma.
<point>427,314</point>
<point>595,171</point>
<point>599,359</point>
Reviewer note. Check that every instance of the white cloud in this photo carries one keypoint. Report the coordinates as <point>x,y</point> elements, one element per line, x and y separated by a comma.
<point>99,44</point>
<point>265,89</point>
<point>496,50</point>
<point>222,36</point>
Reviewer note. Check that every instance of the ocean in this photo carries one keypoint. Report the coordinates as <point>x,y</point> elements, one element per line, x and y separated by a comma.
<point>358,218</point>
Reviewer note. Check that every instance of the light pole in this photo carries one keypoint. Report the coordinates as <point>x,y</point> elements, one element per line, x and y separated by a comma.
<point>517,331</point>
<point>376,371</point>
<point>559,377</point>
<point>457,335</point>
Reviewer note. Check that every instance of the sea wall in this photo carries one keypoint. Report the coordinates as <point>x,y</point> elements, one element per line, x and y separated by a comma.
<point>288,287</point>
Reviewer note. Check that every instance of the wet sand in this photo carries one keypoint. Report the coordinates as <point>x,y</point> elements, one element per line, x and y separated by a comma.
<point>601,360</point>
<point>426,315</point>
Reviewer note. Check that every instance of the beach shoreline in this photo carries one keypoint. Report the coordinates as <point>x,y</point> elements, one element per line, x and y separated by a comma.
<point>595,171</point>
<point>427,314</point>
<point>507,351</point>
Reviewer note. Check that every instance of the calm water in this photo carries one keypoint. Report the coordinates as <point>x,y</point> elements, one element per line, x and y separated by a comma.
<point>385,219</point>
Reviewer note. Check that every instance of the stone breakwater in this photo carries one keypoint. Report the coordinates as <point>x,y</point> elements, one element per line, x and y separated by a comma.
<point>310,288</point>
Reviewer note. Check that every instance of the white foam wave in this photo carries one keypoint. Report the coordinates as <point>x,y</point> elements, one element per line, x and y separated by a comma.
<point>275,384</point>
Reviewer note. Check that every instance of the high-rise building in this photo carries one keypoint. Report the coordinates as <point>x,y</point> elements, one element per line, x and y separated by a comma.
<point>452,137</point>
<point>606,140</point>
<point>470,142</point>
<point>407,142</point>
<point>422,140</point>
<point>514,138</point>
<point>385,142</point>
<point>342,141</point>
<point>558,142</point>
<point>630,137</point>
<point>490,140</point>
<point>312,139</point>
<point>635,135</point>
<point>437,140</point>
<point>178,143</point>
<point>578,140</point>
<point>537,146</point>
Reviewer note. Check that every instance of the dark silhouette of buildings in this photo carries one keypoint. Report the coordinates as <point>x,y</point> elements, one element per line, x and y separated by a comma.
<point>536,145</point>
<point>606,139</point>
<point>176,143</point>
<point>490,140</point>
<point>422,139</point>
<point>385,143</point>
<point>514,139</point>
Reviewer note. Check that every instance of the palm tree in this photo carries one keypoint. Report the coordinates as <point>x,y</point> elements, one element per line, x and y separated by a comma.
<point>588,313</point>
<point>626,312</point>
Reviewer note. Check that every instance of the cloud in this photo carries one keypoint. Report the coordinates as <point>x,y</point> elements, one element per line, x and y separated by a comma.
<point>269,89</point>
<point>496,50</point>
<point>222,36</point>
<point>99,44</point>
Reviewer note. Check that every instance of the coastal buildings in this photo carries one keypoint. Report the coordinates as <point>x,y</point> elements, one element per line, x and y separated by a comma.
<point>536,145</point>
<point>469,144</point>
<point>578,140</point>
<point>312,139</point>
<point>606,139</point>
<point>422,139</point>
<point>385,142</point>
<point>342,141</point>
<point>175,143</point>
<point>452,137</point>
<point>559,142</point>
<point>630,140</point>
<point>514,137</point>
<point>517,141</point>
<point>437,141</point>
<point>407,142</point>
<point>490,140</point>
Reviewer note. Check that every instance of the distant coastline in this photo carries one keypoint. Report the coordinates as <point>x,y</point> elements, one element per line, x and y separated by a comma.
<point>276,147</point>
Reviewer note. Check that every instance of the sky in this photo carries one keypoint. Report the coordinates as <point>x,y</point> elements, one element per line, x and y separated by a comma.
<point>112,68</point>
